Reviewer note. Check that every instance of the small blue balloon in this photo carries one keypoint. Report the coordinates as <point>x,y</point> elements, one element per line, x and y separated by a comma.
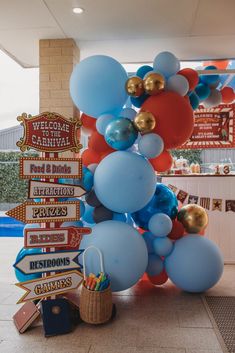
<point>124,182</point>
<point>202,91</point>
<point>194,100</point>
<point>97,85</point>
<point>149,238</point>
<point>88,215</point>
<point>143,70</point>
<point>150,145</point>
<point>195,264</point>
<point>166,63</point>
<point>155,265</point>
<point>209,79</point>
<point>124,252</point>
<point>138,101</point>
<point>163,201</point>
<point>162,246</point>
<point>128,113</point>
<point>120,134</point>
<point>21,277</point>
<point>103,121</point>
<point>160,225</point>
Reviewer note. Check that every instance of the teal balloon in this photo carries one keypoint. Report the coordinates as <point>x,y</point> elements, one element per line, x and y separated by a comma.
<point>124,252</point>
<point>163,201</point>
<point>194,100</point>
<point>138,101</point>
<point>195,264</point>
<point>166,63</point>
<point>103,121</point>
<point>202,91</point>
<point>120,134</point>
<point>155,265</point>
<point>143,70</point>
<point>21,277</point>
<point>124,182</point>
<point>162,246</point>
<point>97,85</point>
<point>160,225</point>
<point>88,215</point>
<point>121,217</point>
<point>209,79</point>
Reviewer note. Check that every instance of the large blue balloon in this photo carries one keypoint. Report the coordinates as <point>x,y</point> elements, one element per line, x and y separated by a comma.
<point>195,264</point>
<point>120,134</point>
<point>21,277</point>
<point>163,201</point>
<point>124,182</point>
<point>124,252</point>
<point>166,63</point>
<point>97,85</point>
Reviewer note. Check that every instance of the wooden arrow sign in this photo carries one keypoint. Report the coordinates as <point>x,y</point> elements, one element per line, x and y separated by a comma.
<point>31,212</point>
<point>50,190</point>
<point>54,237</point>
<point>50,168</point>
<point>48,262</point>
<point>51,285</point>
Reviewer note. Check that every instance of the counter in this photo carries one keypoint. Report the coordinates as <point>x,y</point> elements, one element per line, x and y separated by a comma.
<point>221,228</point>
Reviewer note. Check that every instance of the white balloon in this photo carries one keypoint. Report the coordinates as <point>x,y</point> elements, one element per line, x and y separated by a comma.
<point>178,84</point>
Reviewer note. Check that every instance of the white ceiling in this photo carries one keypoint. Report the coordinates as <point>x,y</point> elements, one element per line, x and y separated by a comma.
<point>130,30</point>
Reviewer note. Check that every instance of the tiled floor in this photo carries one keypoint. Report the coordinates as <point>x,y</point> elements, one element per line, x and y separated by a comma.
<point>149,319</point>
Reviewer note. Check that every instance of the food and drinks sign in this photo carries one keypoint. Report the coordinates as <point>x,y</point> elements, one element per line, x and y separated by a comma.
<point>50,133</point>
<point>213,128</point>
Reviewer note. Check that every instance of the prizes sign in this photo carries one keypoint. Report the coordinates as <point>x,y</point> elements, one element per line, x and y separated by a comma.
<point>49,132</point>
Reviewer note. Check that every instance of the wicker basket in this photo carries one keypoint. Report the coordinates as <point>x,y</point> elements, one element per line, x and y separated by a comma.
<point>95,306</point>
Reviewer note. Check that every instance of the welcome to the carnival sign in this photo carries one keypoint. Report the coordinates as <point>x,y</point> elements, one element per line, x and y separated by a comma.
<point>49,132</point>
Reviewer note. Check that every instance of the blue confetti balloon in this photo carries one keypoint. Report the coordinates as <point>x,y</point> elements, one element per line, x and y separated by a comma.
<point>120,134</point>
<point>103,121</point>
<point>209,79</point>
<point>163,201</point>
<point>202,91</point>
<point>97,85</point>
<point>194,100</point>
<point>124,182</point>
<point>155,265</point>
<point>143,70</point>
<point>124,252</point>
<point>162,246</point>
<point>21,277</point>
<point>150,145</point>
<point>195,264</point>
<point>166,63</point>
<point>160,225</point>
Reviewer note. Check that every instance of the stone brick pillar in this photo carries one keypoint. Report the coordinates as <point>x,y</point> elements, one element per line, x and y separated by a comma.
<point>56,62</point>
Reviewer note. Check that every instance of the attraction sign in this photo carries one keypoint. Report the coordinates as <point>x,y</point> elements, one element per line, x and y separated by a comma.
<point>50,168</point>
<point>50,285</point>
<point>31,212</point>
<point>49,132</point>
<point>44,189</point>
<point>48,262</point>
<point>54,237</point>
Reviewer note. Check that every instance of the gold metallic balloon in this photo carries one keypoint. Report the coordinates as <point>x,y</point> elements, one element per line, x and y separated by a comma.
<point>154,83</point>
<point>144,122</point>
<point>135,86</point>
<point>193,217</point>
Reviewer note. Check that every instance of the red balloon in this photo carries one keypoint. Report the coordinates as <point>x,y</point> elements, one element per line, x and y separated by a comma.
<point>159,279</point>
<point>192,77</point>
<point>89,157</point>
<point>177,230</point>
<point>163,162</point>
<point>174,117</point>
<point>88,122</point>
<point>220,64</point>
<point>227,95</point>
<point>98,143</point>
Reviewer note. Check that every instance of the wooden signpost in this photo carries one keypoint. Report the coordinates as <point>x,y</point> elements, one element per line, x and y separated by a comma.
<point>46,190</point>
<point>50,285</point>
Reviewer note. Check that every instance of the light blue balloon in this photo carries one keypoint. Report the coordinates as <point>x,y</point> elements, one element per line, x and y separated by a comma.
<point>124,182</point>
<point>162,246</point>
<point>88,215</point>
<point>160,225</point>
<point>103,121</point>
<point>178,84</point>
<point>97,85</point>
<point>21,277</point>
<point>195,264</point>
<point>166,63</point>
<point>149,238</point>
<point>124,252</point>
<point>150,145</point>
<point>77,224</point>
<point>120,134</point>
<point>128,113</point>
<point>155,265</point>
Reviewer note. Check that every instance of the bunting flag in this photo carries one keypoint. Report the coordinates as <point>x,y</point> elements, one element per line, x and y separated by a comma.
<point>182,195</point>
<point>193,199</point>
<point>172,187</point>
<point>205,202</point>
<point>217,205</point>
<point>230,205</point>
